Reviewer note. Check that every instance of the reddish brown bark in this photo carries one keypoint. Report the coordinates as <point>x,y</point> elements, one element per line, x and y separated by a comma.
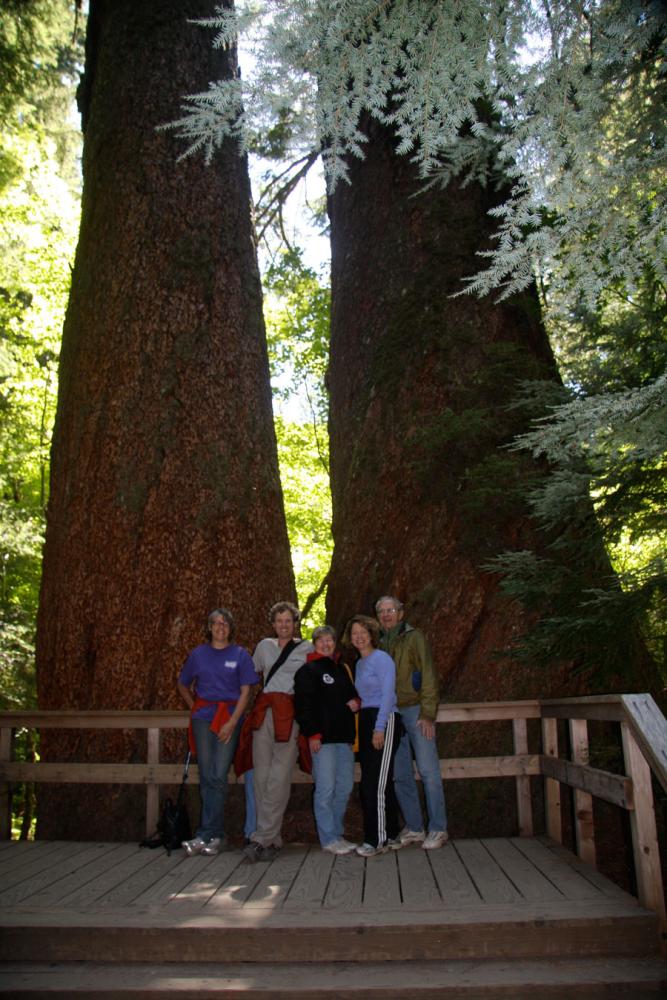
<point>423,494</point>
<point>165,492</point>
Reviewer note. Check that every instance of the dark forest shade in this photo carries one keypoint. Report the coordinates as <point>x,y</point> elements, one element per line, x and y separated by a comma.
<point>165,491</point>
<point>420,382</point>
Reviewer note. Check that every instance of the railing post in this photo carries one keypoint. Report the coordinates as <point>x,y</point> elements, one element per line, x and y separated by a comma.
<point>554,821</point>
<point>523,800</point>
<point>6,733</point>
<point>642,824</point>
<point>152,789</point>
<point>583,801</point>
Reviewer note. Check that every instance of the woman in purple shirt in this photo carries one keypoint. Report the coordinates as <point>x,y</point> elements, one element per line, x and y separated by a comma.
<point>379,735</point>
<point>215,684</point>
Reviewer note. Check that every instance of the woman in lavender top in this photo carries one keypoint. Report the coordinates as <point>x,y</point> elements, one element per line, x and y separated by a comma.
<point>379,735</point>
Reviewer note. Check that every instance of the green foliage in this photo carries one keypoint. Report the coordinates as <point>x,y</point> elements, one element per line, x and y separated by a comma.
<point>594,627</point>
<point>39,201</point>
<point>567,99</point>
<point>307,495</point>
<point>297,313</point>
<point>611,447</point>
<point>297,309</point>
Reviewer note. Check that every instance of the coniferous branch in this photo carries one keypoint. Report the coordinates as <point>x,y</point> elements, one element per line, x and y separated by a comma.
<point>579,123</point>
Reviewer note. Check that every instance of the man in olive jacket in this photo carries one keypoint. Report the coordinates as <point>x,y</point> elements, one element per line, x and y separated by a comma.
<point>417,696</point>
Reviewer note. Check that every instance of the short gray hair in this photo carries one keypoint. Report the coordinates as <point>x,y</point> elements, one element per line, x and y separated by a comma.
<point>322,630</point>
<point>388,597</point>
<point>221,613</point>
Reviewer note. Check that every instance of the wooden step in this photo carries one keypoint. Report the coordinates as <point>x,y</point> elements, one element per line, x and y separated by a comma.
<point>561,931</point>
<point>633,979</point>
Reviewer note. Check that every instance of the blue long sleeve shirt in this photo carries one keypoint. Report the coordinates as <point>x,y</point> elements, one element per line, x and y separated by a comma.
<point>375,681</point>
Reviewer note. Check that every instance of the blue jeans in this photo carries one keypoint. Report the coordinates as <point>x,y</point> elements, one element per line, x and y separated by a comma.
<point>250,824</point>
<point>428,765</point>
<point>214,759</point>
<point>333,774</point>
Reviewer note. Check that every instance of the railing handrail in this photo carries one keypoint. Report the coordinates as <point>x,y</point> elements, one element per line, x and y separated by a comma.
<point>643,729</point>
<point>649,728</point>
<point>639,711</point>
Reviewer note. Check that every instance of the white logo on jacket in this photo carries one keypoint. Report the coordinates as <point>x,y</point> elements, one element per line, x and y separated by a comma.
<point>328,679</point>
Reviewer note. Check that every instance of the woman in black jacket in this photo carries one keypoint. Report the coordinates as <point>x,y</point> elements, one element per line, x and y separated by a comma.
<point>325,702</point>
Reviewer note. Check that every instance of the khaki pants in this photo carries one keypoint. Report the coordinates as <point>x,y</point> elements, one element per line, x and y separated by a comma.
<point>273,764</point>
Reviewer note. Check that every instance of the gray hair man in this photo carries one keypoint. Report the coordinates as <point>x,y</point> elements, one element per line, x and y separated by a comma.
<point>417,695</point>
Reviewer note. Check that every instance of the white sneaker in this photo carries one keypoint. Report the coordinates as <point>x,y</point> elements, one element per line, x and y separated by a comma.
<point>396,844</point>
<point>368,851</point>
<point>348,843</point>
<point>339,847</point>
<point>214,846</point>
<point>193,847</point>
<point>407,836</point>
<point>436,838</point>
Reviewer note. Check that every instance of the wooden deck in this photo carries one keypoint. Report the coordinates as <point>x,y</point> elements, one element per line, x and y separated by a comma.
<point>77,917</point>
<point>58,884</point>
<point>38,878</point>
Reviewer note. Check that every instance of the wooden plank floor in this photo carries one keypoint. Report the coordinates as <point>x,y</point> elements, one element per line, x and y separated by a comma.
<point>51,883</point>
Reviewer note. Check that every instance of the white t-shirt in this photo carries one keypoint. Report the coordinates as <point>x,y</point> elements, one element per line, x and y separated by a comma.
<point>265,656</point>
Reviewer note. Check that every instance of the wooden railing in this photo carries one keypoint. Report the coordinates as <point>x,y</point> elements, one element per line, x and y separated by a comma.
<point>644,741</point>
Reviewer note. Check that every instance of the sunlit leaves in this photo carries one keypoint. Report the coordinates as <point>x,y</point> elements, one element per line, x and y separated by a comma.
<point>297,319</point>
<point>307,496</point>
<point>297,313</point>
<point>39,204</point>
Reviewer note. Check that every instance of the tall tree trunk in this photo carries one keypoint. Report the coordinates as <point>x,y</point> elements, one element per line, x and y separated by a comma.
<point>165,492</point>
<point>420,383</point>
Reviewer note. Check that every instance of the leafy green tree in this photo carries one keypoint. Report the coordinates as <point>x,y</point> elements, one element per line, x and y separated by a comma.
<point>297,309</point>
<point>39,203</point>
<point>307,496</point>
<point>40,47</point>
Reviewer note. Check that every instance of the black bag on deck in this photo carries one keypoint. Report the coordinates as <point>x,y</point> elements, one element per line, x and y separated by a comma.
<point>174,823</point>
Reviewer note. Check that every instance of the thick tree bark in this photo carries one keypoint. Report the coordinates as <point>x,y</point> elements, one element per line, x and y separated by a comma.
<point>420,383</point>
<point>165,492</point>
<point>423,492</point>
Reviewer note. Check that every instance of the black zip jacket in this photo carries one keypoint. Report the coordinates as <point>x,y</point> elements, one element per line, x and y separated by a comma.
<point>322,688</point>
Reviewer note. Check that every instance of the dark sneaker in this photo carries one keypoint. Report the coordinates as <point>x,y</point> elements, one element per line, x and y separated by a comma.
<point>252,852</point>
<point>269,853</point>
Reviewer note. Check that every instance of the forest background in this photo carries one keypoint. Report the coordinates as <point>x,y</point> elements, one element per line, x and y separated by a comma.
<point>605,441</point>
